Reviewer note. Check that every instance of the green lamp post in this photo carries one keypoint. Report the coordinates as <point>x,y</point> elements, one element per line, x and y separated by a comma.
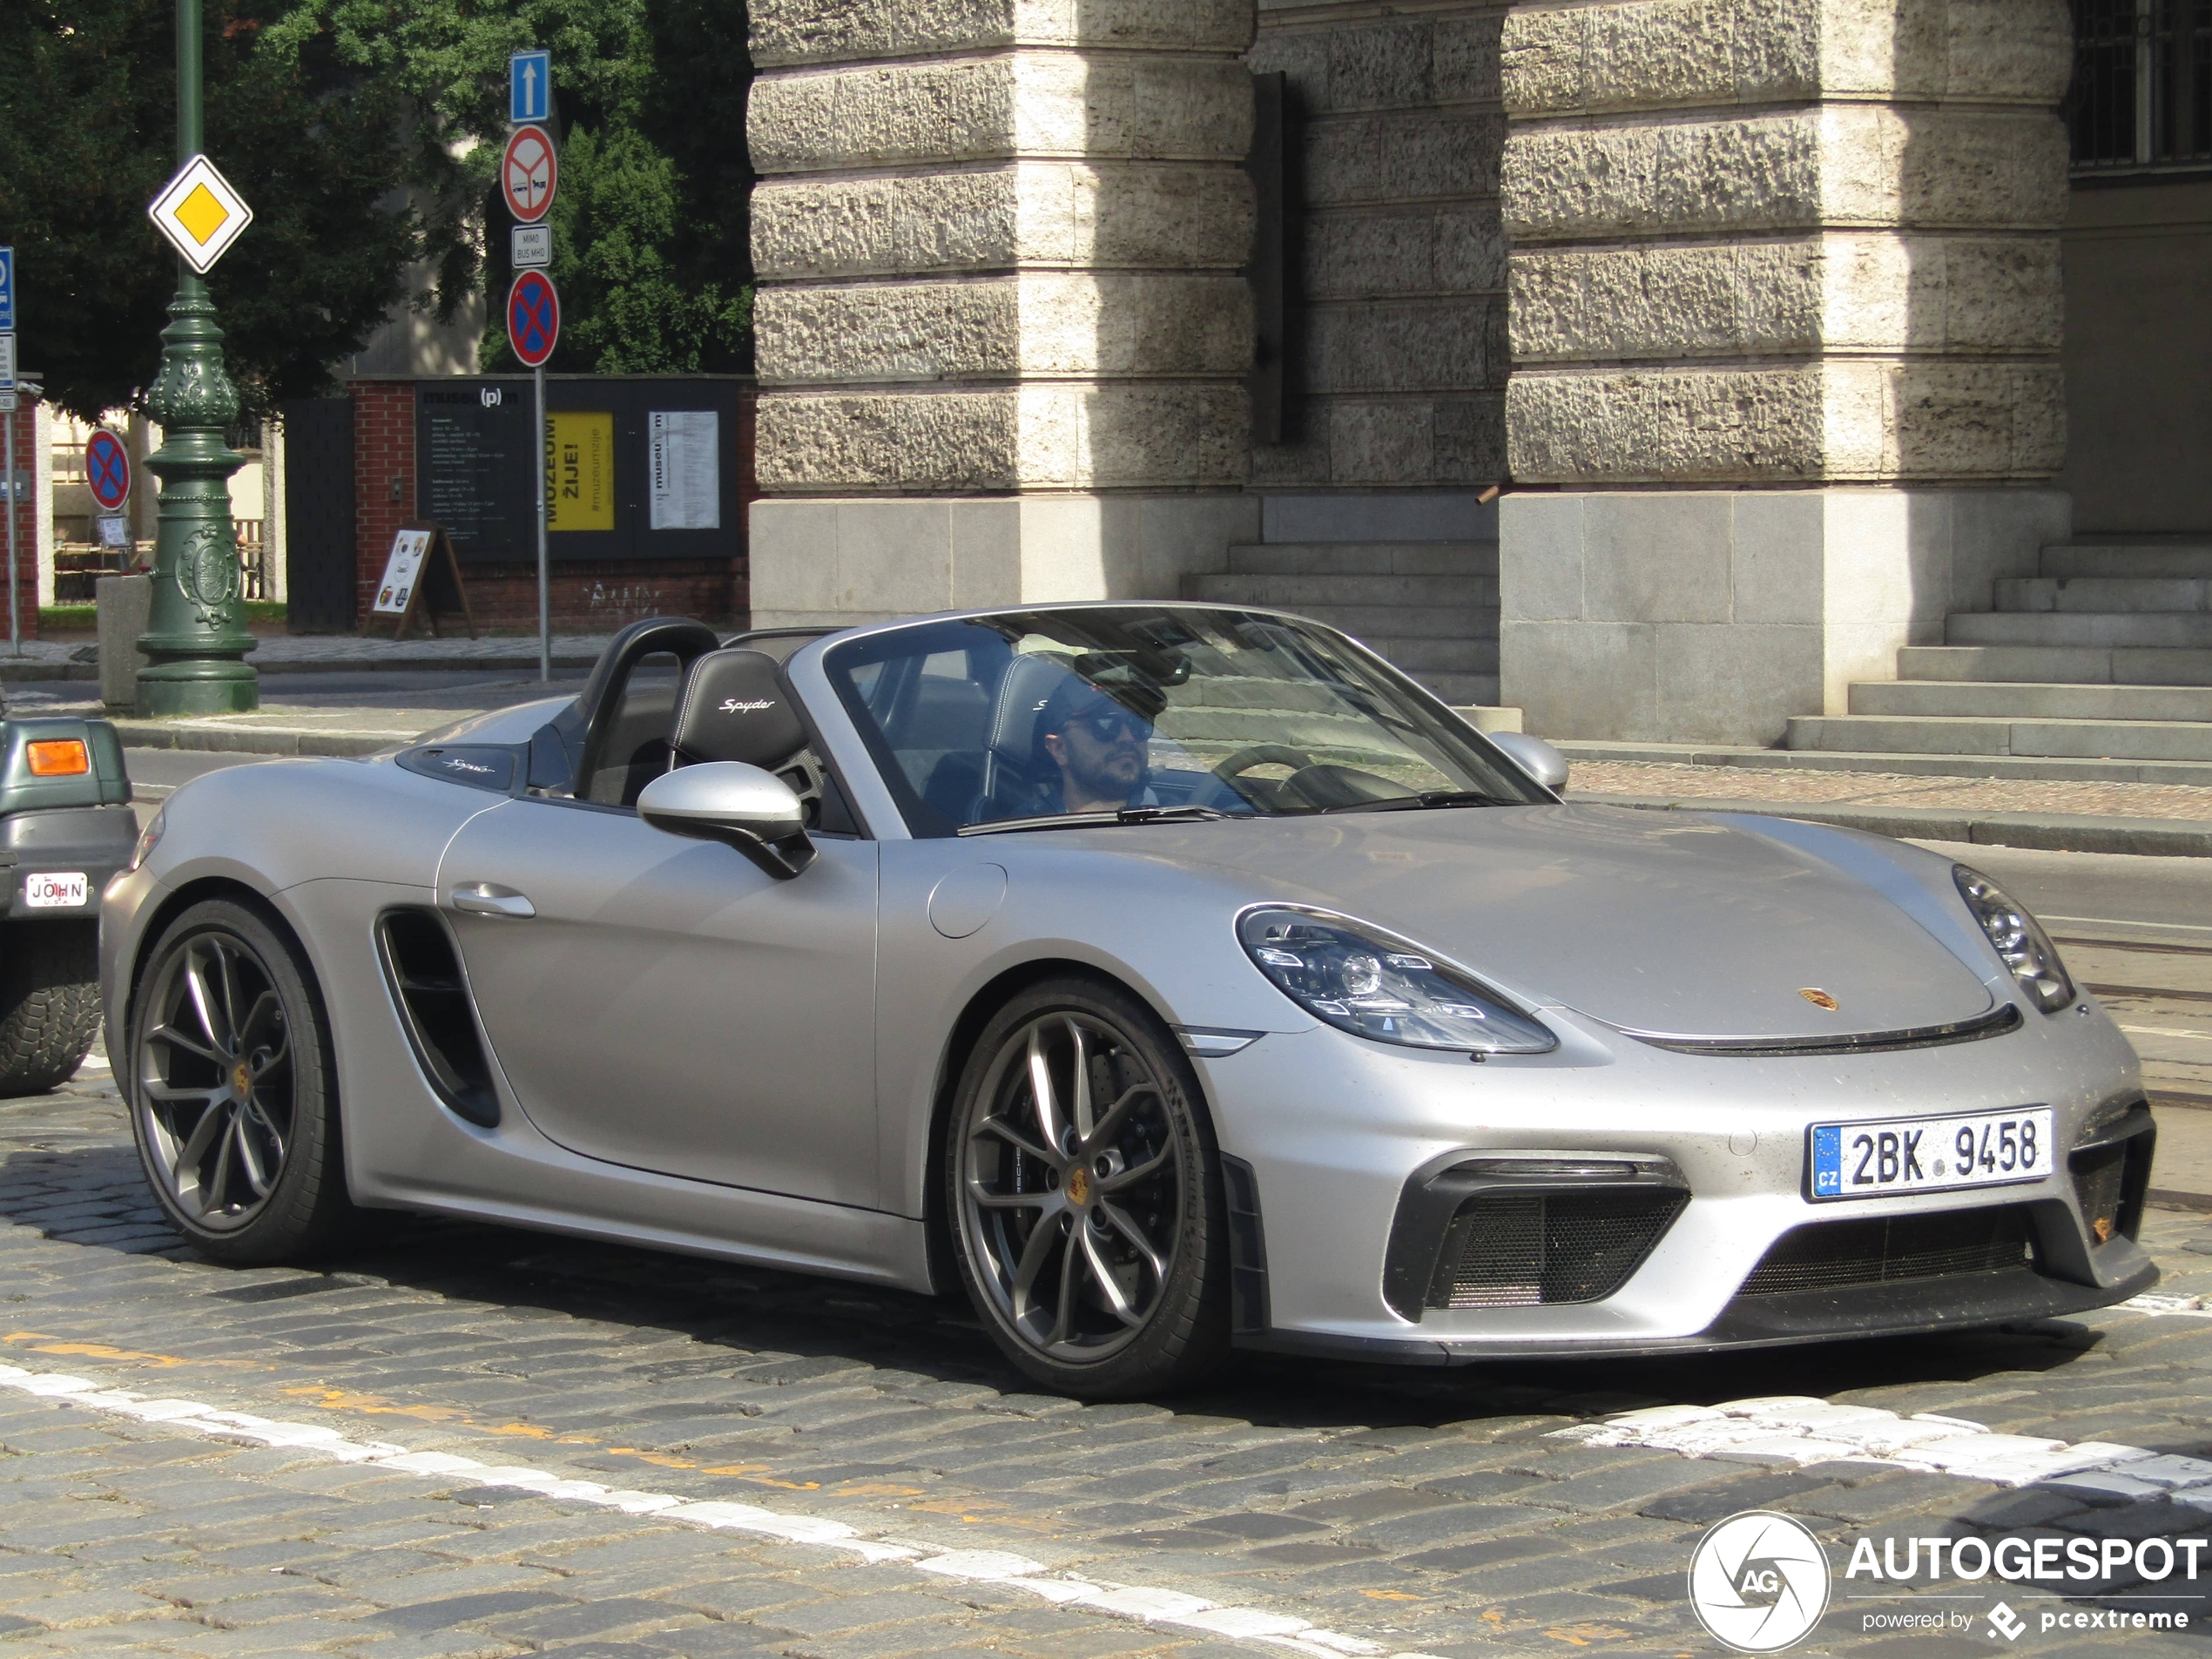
<point>196,639</point>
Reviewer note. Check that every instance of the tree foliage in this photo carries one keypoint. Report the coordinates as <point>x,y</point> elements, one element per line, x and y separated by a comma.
<point>365,134</point>
<point>88,129</point>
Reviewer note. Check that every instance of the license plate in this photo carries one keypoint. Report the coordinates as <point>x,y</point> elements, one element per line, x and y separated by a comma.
<point>57,890</point>
<point>1880,1159</point>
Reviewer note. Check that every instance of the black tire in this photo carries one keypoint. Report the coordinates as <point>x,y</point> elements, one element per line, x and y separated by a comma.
<point>50,1003</point>
<point>1124,1229</point>
<point>254,1076</point>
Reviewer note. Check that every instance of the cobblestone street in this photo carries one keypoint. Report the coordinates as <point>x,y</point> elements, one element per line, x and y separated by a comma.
<point>634,1455</point>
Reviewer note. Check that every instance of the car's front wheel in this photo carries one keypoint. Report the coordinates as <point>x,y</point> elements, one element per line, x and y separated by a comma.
<point>233,1091</point>
<point>1084,1190</point>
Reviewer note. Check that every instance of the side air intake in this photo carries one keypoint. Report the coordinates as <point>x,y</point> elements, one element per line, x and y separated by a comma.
<point>424,972</point>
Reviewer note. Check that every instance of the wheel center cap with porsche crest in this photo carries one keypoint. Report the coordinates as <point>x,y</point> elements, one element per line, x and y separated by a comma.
<point>241,1080</point>
<point>1079,1185</point>
<point>1819,998</point>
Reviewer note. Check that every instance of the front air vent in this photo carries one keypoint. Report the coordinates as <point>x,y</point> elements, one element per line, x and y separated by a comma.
<point>424,972</point>
<point>1536,1247</point>
<point>2111,1170</point>
<point>1835,1255</point>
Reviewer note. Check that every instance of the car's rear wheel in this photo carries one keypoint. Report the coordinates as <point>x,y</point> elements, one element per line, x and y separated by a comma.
<point>233,1091</point>
<point>1085,1193</point>
<point>50,1003</point>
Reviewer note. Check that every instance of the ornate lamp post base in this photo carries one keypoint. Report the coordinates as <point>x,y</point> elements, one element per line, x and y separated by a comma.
<point>196,637</point>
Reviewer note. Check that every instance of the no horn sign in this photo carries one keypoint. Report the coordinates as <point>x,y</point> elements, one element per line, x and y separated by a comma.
<point>533,318</point>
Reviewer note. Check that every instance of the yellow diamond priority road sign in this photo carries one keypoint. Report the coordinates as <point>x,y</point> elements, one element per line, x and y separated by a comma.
<point>199,214</point>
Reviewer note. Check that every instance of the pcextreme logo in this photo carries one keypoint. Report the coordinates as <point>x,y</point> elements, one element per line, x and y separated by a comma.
<point>1759,1581</point>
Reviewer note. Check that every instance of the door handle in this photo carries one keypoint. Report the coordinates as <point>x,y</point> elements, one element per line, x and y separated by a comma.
<point>490,899</point>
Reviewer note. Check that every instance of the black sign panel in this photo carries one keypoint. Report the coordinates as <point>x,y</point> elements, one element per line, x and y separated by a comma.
<point>657,455</point>
<point>472,448</point>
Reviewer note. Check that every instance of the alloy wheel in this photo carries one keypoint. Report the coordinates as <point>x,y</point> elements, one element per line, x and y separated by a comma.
<point>215,1083</point>
<point>1073,1187</point>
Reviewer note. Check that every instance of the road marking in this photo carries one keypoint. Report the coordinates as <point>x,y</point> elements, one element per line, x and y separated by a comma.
<point>2115,921</point>
<point>1130,1602</point>
<point>1800,1429</point>
<point>2161,1031</point>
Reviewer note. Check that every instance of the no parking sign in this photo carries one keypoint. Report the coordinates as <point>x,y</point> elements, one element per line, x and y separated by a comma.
<point>107,470</point>
<point>533,318</point>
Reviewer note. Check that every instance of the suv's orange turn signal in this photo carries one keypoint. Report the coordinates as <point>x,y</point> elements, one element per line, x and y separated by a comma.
<point>62,758</point>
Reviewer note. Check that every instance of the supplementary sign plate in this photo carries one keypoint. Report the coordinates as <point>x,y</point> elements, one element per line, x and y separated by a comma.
<point>56,890</point>
<point>199,214</point>
<point>533,318</point>
<point>530,173</point>
<point>530,246</point>
<point>107,470</point>
<point>8,362</point>
<point>1890,1156</point>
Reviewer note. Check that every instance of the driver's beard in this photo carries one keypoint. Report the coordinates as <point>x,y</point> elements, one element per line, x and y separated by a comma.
<point>1101,784</point>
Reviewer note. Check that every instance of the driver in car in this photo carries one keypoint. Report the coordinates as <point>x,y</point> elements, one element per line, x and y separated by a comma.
<point>1101,748</point>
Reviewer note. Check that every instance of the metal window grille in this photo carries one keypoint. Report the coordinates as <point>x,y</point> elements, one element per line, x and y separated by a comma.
<point>2142,84</point>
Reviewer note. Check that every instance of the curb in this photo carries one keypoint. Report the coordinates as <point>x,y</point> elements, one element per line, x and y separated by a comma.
<point>2036,768</point>
<point>35,672</point>
<point>2186,838</point>
<point>253,740</point>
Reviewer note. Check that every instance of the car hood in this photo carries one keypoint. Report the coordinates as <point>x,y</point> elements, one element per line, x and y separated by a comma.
<point>1668,924</point>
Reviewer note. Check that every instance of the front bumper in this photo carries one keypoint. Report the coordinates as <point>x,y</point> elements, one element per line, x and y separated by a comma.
<point>1674,1180</point>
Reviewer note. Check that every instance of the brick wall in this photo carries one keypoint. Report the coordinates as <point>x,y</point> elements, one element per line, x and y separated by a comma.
<point>585,595</point>
<point>24,461</point>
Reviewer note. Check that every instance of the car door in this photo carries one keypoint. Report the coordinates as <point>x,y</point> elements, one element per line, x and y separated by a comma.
<point>665,1004</point>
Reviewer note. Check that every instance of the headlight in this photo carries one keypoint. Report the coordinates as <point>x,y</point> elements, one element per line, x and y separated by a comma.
<point>1374,984</point>
<point>2025,947</point>
<point>148,837</point>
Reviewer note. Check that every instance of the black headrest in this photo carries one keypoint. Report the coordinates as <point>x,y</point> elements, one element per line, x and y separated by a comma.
<point>734,707</point>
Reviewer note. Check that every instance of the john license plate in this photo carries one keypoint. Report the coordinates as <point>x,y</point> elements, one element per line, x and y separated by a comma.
<point>56,890</point>
<point>1876,1160</point>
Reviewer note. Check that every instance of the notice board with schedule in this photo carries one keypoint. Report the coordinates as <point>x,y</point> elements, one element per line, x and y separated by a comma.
<point>638,467</point>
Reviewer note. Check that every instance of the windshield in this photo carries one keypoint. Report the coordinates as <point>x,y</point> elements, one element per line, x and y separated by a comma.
<point>1132,712</point>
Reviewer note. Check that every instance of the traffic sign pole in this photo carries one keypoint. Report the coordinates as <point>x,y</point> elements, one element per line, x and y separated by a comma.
<point>15,610</point>
<point>544,586</point>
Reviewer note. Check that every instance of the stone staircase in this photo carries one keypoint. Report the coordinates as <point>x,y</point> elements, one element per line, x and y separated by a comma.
<point>1430,607</point>
<point>2103,660</point>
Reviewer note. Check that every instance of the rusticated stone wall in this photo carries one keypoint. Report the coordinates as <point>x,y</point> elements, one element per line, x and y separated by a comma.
<point>1786,242</point>
<point>1000,245</point>
<point>1398,359</point>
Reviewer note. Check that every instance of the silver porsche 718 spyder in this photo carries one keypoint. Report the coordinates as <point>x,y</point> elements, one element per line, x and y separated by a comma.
<point>1169,977</point>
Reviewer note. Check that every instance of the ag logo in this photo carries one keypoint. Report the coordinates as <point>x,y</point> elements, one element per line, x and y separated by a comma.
<point>1758,1581</point>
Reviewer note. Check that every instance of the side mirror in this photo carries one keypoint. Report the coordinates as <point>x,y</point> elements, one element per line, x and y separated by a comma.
<point>1534,756</point>
<point>739,805</point>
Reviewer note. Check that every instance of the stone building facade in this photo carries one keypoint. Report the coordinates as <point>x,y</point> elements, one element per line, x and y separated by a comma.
<point>1755,310</point>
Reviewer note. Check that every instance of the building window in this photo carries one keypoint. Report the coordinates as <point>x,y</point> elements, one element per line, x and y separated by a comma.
<point>2142,84</point>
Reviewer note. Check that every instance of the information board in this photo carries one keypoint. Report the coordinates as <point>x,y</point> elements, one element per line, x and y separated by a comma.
<point>402,570</point>
<point>683,457</point>
<point>579,470</point>
<point>472,457</point>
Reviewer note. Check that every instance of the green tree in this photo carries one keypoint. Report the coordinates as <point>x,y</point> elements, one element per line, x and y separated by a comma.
<point>649,229</point>
<point>88,125</point>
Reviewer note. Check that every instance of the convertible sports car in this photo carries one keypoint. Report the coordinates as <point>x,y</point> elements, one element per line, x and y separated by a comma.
<point>1169,977</point>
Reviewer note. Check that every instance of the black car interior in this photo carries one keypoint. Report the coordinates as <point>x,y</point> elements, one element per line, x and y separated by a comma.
<point>656,700</point>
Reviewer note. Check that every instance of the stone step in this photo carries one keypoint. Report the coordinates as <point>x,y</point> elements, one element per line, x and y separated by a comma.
<point>1298,592</point>
<point>1406,622</point>
<point>1417,655</point>
<point>1462,691</point>
<point>1911,734</point>
<point>2058,665</point>
<point>1364,558</point>
<point>1987,699</point>
<point>2133,629</point>
<point>2105,595</point>
<point>2132,561</point>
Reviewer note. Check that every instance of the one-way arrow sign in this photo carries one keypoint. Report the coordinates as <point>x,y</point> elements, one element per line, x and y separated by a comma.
<point>529,87</point>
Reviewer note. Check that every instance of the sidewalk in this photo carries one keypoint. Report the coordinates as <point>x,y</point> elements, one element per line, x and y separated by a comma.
<point>78,659</point>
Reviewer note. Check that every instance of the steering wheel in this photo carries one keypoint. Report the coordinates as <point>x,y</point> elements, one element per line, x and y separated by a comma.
<point>1262,754</point>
